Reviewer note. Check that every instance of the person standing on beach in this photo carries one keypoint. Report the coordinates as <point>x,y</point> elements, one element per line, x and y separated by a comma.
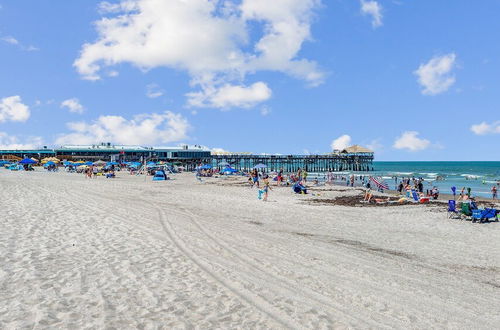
<point>280,177</point>
<point>304,175</point>
<point>494,192</point>
<point>266,188</point>
<point>352,180</point>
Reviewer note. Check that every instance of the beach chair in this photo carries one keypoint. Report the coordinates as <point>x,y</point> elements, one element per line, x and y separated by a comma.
<point>465,210</point>
<point>484,215</point>
<point>417,199</point>
<point>452,209</point>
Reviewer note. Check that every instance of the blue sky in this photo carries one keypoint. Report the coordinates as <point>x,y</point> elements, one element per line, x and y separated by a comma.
<point>415,80</point>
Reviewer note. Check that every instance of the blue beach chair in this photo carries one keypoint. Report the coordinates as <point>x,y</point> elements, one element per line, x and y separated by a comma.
<point>452,209</point>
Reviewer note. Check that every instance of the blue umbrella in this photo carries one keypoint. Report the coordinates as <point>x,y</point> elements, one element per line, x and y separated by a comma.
<point>260,166</point>
<point>88,163</point>
<point>27,161</point>
<point>206,167</point>
<point>112,163</point>
<point>49,163</point>
<point>230,170</point>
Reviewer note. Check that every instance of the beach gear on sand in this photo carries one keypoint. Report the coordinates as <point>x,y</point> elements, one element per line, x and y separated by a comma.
<point>261,192</point>
<point>160,176</point>
<point>483,215</point>
<point>380,183</point>
<point>452,208</point>
<point>299,189</point>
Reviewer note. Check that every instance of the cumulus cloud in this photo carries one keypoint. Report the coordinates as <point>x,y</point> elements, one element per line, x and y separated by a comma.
<point>485,128</point>
<point>217,42</point>
<point>8,142</point>
<point>228,96</point>
<point>373,9</point>
<point>341,142</point>
<point>12,109</point>
<point>144,129</point>
<point>409,140</point>
<point>153,91</point>
<point>73,105</point>
<point>435,76</point>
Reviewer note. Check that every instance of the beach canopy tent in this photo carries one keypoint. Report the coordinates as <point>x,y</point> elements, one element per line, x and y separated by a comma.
<point>229,170</point>
<point>27,161</point>
<point>260,166</point>
<point>205,167</point>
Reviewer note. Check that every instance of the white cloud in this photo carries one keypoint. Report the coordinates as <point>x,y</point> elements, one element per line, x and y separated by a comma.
<point>12,142</point>
<point>12,109</point>
<point>13,41</point>
<point>214,41</point>
<point>264,111</point>
<point>409,140</point>
<point>153,91</point>
<point>144,129</point>
<point>341,142</point>
<point>10,40</point>
<point>373,9</point>
<point>485,128</point>
<point>73,105</point>
<point>435,76</point>
<point>375,145</point>
<point>228,96</point>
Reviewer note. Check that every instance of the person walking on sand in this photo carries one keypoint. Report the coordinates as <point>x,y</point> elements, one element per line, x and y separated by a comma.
<point>304,175</point>
<point>279,179</point>
<point>266,188</point>
<point>494,192</point>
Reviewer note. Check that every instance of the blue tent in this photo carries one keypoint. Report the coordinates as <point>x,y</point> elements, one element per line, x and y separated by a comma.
<point>27,161</point>
<point>230,170</point>
<point>206,167</point>
<point>49,163</point>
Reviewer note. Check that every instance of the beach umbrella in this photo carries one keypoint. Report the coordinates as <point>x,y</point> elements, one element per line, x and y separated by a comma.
<point>112,163</point>
<point>206,167</point>
<point>100,163</point>
<point>50,159</point>
<point>27,161</point>
<point>230,170</point>
<point>379,182</point>
<point>50,163</point>
<point>260,166</point>
<point>223,163</point>
<point>88,163</point>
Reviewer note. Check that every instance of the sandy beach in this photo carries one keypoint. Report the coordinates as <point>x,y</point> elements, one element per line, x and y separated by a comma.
<point>131,253</point>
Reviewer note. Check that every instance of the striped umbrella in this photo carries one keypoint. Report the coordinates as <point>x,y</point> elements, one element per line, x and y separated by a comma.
<point>379,182</point>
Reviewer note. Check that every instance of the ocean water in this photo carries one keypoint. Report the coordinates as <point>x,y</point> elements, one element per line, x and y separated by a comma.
<point>479,176</point>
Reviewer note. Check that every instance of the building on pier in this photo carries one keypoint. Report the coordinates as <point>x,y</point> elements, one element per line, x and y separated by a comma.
<point>354,158</point>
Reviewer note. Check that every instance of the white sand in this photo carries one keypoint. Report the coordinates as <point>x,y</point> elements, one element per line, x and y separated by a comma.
<point>129,253</point>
